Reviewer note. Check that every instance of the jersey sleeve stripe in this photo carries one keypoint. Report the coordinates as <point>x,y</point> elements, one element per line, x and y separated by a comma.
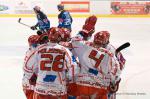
<point>28,60</point>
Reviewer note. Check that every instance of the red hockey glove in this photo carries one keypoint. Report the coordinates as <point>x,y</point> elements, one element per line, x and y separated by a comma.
<point>89,26</point>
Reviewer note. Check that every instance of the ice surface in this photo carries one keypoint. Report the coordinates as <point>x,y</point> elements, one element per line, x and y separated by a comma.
<point>135,82</point>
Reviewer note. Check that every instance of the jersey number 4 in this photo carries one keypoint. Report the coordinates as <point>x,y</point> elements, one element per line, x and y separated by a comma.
<point>98,60</point>
<point>56,63</point>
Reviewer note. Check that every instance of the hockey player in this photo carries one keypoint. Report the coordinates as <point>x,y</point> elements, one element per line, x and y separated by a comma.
<point>89,27</point>
<point>102,39</point>
<point>98,69</point>
<point>54,62</point>
<point>65,41</point>
<point>65,19</point>
<point>29,77</point>
<point>43,23</point>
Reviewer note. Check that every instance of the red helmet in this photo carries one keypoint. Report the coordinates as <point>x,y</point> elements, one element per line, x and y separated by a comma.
<point>101,38</point>
<point>65,34</point>
<point>33,39</point>
<point>54,34</point>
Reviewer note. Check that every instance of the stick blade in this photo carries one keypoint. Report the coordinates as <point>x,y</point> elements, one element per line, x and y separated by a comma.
<point>125,45</point>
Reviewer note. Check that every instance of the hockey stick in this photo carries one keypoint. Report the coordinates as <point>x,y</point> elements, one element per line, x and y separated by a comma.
<point>19,21</point>
<point>123,46</point>
<point>113,86</point>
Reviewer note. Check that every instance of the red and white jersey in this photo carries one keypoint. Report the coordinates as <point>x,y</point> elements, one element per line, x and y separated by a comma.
<point>53,62</point>
<point>119,57</point>
<point>98,66</point>
<point>75,68</point>
<point>28,66</point>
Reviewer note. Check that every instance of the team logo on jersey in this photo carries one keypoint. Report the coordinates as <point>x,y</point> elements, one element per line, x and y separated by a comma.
<point>49,78</point>
<point>3,7</point>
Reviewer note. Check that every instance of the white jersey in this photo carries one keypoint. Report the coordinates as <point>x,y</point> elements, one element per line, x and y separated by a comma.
<point>98,66</point>
<point>119,57</point>
<point>53,62</point>
<point>28,66</point>
<point>75,68</point>
<point>121,61</point>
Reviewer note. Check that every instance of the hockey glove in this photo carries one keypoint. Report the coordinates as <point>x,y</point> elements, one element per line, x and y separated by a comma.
<point>33,27</point>
<point>113,88</point>
<point>89,26</point>
<point>39,32</point>
<point>32,80</point>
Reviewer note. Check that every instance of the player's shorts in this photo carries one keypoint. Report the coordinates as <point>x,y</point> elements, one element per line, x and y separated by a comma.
<point>28,93</point>
<point>40,96</point>
<point>83,91</point>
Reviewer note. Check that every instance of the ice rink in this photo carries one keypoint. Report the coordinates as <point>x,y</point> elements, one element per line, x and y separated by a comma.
<point>135,82</point>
